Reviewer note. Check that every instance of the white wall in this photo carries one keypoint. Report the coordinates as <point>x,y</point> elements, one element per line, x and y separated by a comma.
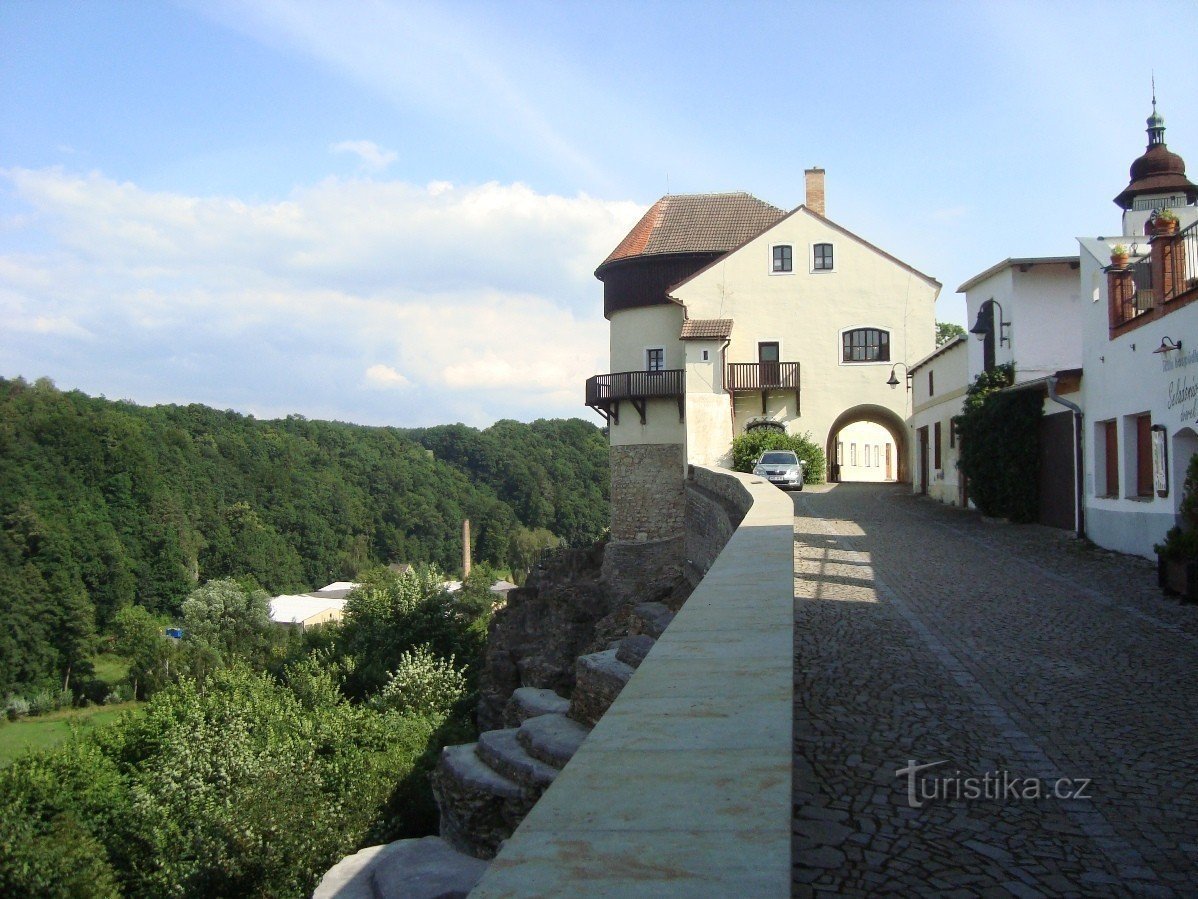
<point>863,452</point>
<point>950,380</point>
<point>807,311</point>
<point>1123,377</point>
<point>1043,307</point>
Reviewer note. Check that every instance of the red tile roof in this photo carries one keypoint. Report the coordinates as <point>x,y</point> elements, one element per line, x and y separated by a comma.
<point>697,223</point>
<point>706,329</point>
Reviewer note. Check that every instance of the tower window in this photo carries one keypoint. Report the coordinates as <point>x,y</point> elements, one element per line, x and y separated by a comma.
<point>655,359</point>
<point>783,258</point>
<point>866,345</point>
<point>822,257</point>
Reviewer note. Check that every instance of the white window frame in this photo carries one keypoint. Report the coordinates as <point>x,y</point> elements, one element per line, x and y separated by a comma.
<point>770,260</point>
<point>650,349</point>
<point>811,257</point>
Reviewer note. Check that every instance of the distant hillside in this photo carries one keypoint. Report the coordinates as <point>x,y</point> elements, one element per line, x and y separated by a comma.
<point>103,504</point>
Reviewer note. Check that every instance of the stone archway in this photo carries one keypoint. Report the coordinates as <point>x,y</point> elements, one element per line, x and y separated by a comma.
<point>879,415</point>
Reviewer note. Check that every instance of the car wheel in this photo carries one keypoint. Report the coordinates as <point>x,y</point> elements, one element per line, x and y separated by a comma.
<point>800,487</point>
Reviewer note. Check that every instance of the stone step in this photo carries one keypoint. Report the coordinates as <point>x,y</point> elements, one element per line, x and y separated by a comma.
<point>655,618</point>
<point>479,807</point>
<point>530,702</point>
<point>552,739</point>
<point>632,650</point>
<point>598,680</point>
<point>505,754</point>
<point>427,868</point>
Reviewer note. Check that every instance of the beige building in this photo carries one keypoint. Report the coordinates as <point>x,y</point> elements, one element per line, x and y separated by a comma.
<point>727,312</point>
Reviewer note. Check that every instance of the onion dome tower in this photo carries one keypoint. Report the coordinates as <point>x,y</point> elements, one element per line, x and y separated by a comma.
<point>1158,177</point>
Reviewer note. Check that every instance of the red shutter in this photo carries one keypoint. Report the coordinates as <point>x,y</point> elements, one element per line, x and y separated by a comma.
<point>1112,459</point>
<point>1144,455</point>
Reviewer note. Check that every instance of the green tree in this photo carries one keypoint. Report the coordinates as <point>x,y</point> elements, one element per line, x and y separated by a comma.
<point>140,638</point>
<point>528,544</point>
<point>225,621</point>
<point>946,331</point>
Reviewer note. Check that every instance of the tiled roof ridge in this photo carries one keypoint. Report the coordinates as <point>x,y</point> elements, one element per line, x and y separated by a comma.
<point>696,223</point>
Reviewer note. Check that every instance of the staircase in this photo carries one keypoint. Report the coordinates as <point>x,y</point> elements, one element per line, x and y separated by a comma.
<point>484,789</point>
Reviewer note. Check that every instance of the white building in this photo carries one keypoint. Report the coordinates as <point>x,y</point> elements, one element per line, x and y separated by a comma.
<point>938,383</point>
<point>1140,336</point>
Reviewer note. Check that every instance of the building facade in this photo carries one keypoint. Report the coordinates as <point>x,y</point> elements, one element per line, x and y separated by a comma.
<point>1140,353</point>
<point>727,313</point>
<point>938,383</point>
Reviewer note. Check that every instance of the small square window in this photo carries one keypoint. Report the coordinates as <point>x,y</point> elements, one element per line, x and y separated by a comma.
<point>706,355</point>
<point>783,258</point>
<point>822,257</point>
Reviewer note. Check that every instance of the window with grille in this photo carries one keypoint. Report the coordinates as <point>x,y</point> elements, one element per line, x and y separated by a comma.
<point>655,359</point>
<point>866,345</point>
<point>822,257</point>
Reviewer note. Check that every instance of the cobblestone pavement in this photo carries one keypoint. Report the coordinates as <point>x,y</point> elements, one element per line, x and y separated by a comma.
<point>927,634</point>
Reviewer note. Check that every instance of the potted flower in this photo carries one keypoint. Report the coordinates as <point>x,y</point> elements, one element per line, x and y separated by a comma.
<point>1177,556</point>
<point>1119,256</point>
<point>1163,221</point>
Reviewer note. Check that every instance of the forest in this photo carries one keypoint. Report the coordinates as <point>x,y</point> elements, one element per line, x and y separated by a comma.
<point>106,505</point>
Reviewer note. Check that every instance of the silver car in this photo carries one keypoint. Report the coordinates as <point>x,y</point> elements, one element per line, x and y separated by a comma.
<point>782,468</point>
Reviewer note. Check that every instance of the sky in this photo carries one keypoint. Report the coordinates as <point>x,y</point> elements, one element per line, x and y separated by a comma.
<point>390,213</point>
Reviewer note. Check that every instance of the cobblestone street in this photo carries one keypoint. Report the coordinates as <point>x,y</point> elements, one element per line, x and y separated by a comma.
<point>925,634</point>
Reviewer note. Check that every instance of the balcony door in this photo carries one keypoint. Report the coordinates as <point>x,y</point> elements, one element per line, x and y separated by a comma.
<point>769,357</point>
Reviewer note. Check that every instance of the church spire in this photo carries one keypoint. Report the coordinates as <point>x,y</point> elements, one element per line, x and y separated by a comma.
<point>1156,124</point>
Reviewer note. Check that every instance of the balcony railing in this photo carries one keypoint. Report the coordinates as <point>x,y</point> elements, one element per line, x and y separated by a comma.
<point>746,377</point>
<point>1142,298</point>
<point>1184,260</point>
<point>605,392</point>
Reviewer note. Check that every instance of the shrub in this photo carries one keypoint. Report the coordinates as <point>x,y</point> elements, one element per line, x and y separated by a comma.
<point>41,702</point>
<point>422,685</point>
<point>1181,541</point>
<point>16,707</point>
<point>748,447</point>
<point>1000,446</point>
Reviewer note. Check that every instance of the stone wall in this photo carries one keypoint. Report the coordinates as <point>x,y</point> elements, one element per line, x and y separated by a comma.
<point>648,501</point>
<point>715,507</point>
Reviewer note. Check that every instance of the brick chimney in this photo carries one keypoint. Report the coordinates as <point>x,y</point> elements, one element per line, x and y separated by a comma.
<point>815,190</point>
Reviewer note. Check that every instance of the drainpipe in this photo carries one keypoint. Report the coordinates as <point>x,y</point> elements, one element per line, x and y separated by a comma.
<point>1078,457</point>
<point>724,382</point>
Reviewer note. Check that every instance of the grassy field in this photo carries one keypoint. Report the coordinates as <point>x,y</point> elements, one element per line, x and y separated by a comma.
<point>44,731</point>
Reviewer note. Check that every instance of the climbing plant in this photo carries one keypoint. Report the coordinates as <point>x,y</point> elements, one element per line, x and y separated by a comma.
<point>1000,446</point>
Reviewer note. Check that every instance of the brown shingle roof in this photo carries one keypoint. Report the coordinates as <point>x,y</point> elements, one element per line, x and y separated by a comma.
<point>706,329</point>
<point>697,223</point>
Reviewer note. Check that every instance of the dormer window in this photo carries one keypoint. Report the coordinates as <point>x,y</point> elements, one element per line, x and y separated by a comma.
<point>821,257</point>
<point>866,345</point>
<point>783,255</point>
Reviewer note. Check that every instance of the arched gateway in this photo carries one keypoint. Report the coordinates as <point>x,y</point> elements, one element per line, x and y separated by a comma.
<point>878,415</point>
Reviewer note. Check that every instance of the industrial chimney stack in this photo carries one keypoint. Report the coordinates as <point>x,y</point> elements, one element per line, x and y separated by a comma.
<point>465,548</point>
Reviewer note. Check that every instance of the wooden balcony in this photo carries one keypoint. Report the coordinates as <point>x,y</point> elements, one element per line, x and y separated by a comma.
<point>751,377</point>
<point>606,392</point>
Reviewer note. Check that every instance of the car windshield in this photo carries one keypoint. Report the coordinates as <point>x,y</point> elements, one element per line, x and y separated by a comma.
<point>779,459</point>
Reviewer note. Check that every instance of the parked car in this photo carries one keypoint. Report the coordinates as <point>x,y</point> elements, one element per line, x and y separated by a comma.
<point>781,468</point>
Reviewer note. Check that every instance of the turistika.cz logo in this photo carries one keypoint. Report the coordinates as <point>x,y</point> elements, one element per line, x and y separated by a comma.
<point>995,786</point>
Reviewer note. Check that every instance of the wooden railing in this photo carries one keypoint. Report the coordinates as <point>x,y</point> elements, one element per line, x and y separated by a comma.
<point>605,392</point>
<point>744,376</point>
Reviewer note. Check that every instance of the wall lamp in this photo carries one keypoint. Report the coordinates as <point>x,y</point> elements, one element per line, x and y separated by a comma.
<point>1167,346</point>
<point>984,326</point>
<point>894,381</point>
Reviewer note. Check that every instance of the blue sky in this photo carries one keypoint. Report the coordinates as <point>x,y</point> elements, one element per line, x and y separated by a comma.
<point>390,213</point>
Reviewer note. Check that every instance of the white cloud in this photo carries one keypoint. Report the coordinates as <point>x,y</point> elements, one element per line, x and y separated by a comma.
<point>384,376</point>
<point>320,303</point>
<point>372,157</point>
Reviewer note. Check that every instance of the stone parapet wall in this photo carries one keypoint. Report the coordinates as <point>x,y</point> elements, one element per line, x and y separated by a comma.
<point>648,499</point>
<point>715,507</point>
<point>683,788</point>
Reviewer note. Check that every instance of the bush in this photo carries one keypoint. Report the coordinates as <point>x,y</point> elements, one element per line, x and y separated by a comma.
<point>1181,542</point>
<point>1000,446</point>
<point>422,685</point>
<point>748,447</point>
<point>41,703</point>
<point>16,707</point>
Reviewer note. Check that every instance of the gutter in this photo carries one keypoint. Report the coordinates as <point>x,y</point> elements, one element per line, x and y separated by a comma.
<point>1078,460</point>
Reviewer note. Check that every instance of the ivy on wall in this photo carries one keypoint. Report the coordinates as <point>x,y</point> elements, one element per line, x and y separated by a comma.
<point>1000,446</point>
